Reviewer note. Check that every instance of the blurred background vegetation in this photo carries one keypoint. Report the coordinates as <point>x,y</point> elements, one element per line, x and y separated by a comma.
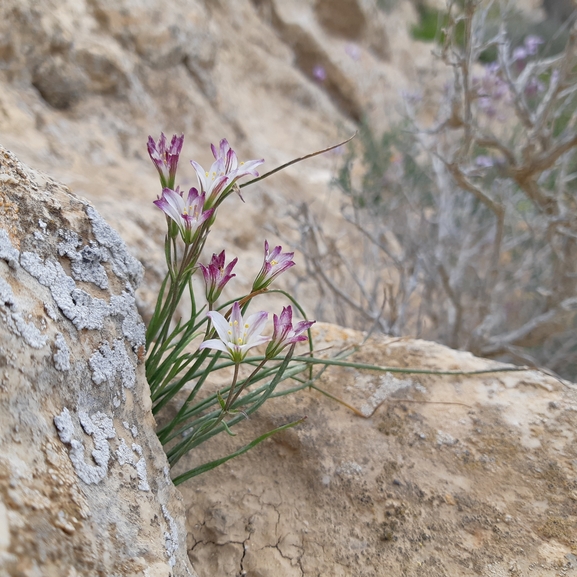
<point>464,230</point>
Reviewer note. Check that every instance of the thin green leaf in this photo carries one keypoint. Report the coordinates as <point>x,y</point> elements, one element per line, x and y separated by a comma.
<point>213,464</point>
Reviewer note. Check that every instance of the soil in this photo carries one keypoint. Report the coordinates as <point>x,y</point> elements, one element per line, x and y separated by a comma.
<point>451,475</point>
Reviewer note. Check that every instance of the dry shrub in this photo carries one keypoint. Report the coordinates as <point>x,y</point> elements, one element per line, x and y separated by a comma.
<point>466,232</point>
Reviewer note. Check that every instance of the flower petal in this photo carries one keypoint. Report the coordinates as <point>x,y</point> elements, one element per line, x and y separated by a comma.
<point>220,324</point>
<point>256,321</point>
<point>216,344</point>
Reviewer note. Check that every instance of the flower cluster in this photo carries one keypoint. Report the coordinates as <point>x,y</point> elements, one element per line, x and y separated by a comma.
<point>215,184</point>
<point>223,173</point>
<point>171,364</point>
<point>530,47</point>
<point>238,335</point>
<point>187,215</point>
<point>275,263</point>
<point>216,275</point>
<point>284,334</point>
<point>492,91</point>
<point>165,158</point>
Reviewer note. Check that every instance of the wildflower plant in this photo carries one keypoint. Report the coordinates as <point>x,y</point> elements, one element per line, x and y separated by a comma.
<point>184,352</point>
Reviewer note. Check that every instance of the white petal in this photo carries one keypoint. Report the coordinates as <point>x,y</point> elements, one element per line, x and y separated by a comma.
<point>201,174</point>
<point>221,325</point>
<point>256,323</point>
<point>260,340</point>
<point>214,344</point>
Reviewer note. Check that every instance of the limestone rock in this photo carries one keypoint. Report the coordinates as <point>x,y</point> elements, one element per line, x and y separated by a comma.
<point>344,17</point>
<point>60,82</point>
<point>84,482</point>
<point>436,476</point>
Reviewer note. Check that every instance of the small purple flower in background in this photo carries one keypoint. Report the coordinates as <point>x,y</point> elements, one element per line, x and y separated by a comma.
<point>411,97</point>
<point>237,335</point>
<point>353,51</point>
<point>165,158</point>
<point>484,161</point>
<point>555,76</point>
<point>275,263</point>
<point>284,334</point>
<point>224,172</point>
<point>491,90</point>
<point>487,106</point>
<point>216,275</point>
<point>187,214</point>
<point>319,73</point>
<point>520,53</point>
<point>532,43</point>
<point>534,87</point>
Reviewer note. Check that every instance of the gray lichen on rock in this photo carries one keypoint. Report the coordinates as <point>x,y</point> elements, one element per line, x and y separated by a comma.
<point>124,305</point>
<point>85,263</point>
<point>141,470</point>
<point>50,311</point>
<point>170,537</point>
<point>9,312</point>
<point>62,355</point>
<point>124,265</point>
<point>84,310</point>
<point>125,456</point>
<point>109,363</point>
<point>13,319</point>
<point>101,428</point>
<point>132,429</point>
<point>7,251</point>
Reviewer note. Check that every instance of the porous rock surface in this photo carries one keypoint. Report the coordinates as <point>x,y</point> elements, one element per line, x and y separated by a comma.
<point>84,482</point>
<point>437,476</point>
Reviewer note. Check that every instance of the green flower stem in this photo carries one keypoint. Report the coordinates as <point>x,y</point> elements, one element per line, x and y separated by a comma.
<point>408,370</point>
<point>232,396</point>
<point>178,384</point>
<point>153,368</point>
<point>186,413</point>
<point>246,399</point>
<point>213,464</point>
<point>153,325</point>
<point>181,279</point>
<point>178,361</point>
<point>213,399</point>
<point>166,398</point>
<point>303,314</point>
<point>232,387</point>
<point>294,161</point>
<point>167,312</point>
<point>317,361</point>
<point>242,301</point>
<point>174,296</point>
<point>178,365</point>
<point>176,452</point>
